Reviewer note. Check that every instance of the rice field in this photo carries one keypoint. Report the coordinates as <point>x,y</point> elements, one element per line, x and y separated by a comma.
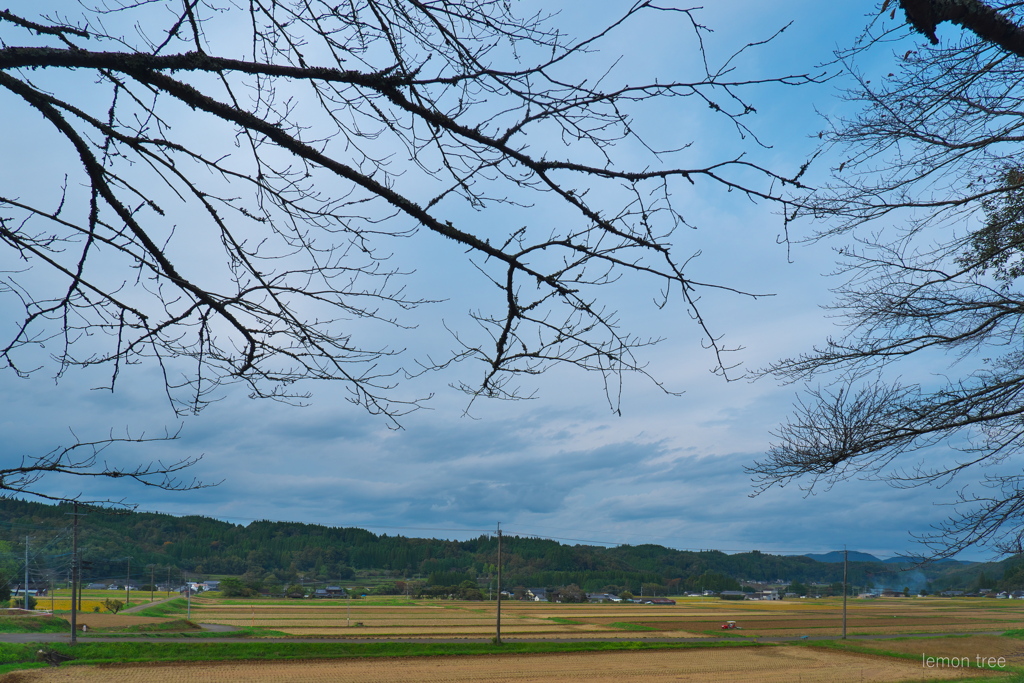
<point>60,600</point>
<point>64,604</point>
<point>455,620</point>
<point>760,665</point>
<point>688,618</point>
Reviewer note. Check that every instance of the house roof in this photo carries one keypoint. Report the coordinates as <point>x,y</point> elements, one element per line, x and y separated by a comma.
<point>602,596</point>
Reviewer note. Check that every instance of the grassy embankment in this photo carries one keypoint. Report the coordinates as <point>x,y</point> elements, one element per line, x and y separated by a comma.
<point>178,628</point>
<point>45,624</point>
<point>53,624</point>
<point>171,608</point>
<point>174,627</point>
<point>912,648</point>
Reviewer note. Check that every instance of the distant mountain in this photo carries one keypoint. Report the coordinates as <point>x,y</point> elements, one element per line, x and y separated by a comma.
<point>837,556</point>
<point>907,559</point>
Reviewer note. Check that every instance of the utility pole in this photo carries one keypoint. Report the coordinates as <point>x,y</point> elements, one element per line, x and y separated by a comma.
<point>74,575</point>
<point>24,601</point>
<point>497,623</point>
<point>128,584</point>
<point>152,581</point>
<point>846,558</point>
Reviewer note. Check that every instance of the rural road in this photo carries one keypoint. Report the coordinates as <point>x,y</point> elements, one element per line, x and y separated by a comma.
<point>63,638</point>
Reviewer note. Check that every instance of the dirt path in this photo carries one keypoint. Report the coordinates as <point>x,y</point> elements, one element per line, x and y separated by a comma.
<point>756,665</point>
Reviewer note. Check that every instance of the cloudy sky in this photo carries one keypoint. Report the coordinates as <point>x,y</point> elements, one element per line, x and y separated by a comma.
<point>668,470</point>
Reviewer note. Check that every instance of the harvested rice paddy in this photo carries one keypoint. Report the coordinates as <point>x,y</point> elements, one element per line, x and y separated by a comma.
<point>761,665</point>
<point>690,617</point>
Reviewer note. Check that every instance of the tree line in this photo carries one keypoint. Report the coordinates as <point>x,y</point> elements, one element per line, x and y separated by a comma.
<point>266,552</point>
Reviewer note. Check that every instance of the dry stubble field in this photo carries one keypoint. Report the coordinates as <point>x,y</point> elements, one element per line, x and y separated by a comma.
<point>689,618</point>
<point>761,665</point>
<point>700,618</point>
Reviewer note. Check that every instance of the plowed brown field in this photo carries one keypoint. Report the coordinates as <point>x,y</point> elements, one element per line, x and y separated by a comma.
<point>761,665</point>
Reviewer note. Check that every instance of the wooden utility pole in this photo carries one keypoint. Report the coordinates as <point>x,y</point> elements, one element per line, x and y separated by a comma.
<point>128,585</point>
<point>497,623</point>
<point>74,575</point>
<point>24,593</point>
<point>846,558</point>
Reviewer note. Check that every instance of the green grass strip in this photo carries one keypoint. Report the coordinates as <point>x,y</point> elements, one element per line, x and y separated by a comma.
<point>847,646</point>
<point>241,632</point>
<point>563,620</point>
<point>25,654</point>
<point>629,626</point>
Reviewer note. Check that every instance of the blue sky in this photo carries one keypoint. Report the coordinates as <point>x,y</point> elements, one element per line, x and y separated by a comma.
<point>669,470</point>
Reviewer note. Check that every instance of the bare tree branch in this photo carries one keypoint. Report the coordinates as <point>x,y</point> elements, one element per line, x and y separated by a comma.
<point>57,469</point>
<point>348,127</point>
<point>978,17</point>
<point>925,381</point>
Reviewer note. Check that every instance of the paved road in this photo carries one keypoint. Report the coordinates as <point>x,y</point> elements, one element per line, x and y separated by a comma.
<point>63,638</point>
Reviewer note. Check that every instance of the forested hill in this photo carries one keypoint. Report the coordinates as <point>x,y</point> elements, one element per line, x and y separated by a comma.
<point>208,546</point>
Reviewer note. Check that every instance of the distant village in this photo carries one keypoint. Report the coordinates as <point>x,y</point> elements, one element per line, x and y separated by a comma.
<point>537,594</point>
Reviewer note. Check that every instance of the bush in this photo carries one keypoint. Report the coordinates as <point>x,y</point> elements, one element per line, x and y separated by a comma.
<point>18,602</point>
